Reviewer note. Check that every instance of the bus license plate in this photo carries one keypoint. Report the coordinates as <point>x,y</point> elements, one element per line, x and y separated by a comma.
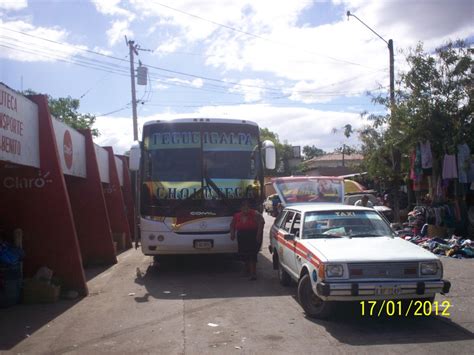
<point>203,244</point>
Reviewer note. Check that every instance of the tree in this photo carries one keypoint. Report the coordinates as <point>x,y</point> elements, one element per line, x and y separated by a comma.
<point>284,152</point>
<point>65,109</point>
<point>312,151</point>
<point>434,101</point>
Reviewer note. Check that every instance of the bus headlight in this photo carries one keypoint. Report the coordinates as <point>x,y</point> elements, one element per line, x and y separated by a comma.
<point>335,270</point>
<point>151,237</point>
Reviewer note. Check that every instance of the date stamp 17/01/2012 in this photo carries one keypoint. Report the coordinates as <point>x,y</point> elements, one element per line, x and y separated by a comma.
<point>405,308</point>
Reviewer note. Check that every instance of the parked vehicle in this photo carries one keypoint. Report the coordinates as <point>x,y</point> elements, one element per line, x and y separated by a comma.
<point>193,176</point>
<point>351,199</point>
<point>337,253</point>
<point>270,203</point>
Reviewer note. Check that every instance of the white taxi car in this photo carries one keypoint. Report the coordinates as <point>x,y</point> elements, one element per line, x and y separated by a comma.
<point>337,252</point>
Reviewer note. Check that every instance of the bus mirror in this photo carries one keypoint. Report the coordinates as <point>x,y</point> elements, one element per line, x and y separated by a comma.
<point>135,155</point>
<point>270,154</point>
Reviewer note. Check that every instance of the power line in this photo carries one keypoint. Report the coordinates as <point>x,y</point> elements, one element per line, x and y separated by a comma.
<point>114,111</point>
<point>123,72</point>
<point>256,36</point>
<point>156,67</point>
<point>59,59</point>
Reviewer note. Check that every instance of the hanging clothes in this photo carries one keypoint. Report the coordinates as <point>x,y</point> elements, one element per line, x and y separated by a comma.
<point>470,176</point>
<point>439,189</point>
<point>464,163</point>
<point>412,165</point>
<point>449,167</point>
<point>418,166</point>
<point>426,156</point>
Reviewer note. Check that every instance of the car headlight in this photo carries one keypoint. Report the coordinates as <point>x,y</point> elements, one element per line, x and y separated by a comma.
<point>430,268</point>
<point>335,270</point>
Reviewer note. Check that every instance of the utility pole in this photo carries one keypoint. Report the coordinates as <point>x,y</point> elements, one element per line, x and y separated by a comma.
<point>396,156</point>
<point>133,49</point>
<point>343,151</point>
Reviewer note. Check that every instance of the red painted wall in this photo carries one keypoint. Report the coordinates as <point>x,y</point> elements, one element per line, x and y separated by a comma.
<point>90,211</point>
<point>128,195</point>
<point>37,201</point>
<point>115,202</point>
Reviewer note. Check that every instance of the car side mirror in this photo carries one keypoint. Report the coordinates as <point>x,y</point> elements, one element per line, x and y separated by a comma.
<point>395,226</point>
<point>289,236</point>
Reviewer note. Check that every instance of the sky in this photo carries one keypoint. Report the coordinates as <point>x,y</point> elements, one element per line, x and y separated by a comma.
<point>300,68</point>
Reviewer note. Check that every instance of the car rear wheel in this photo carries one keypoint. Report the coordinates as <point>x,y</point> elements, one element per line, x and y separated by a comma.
<point>313,306</point>
<point>283,276</point>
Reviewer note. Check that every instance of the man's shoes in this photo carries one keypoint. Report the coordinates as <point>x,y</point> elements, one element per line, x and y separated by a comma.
<point>253,278</point>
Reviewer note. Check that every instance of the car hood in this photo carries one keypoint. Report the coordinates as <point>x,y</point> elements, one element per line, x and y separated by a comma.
<point>367,249</point>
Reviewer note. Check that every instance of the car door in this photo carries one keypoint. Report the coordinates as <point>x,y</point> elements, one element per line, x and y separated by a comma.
<point>294,261</point>
<point>286,250</point>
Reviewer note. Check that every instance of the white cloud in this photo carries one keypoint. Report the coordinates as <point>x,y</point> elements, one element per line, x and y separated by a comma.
<point>13,4</point>
<point>196,83</point>
<point>169,46</point>
<point>298,126</point>
<point>102,51</point>
<point>111,7</point>
<point>314,56</point>
<point>119,29</point>
<point>252,89</point>
<point>26,48</point>
<point>158,85</point>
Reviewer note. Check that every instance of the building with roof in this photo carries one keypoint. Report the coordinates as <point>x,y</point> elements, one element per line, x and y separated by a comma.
<point>333,164</point>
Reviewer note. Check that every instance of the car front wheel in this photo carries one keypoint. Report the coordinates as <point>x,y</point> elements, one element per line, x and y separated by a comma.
<point>313,306</point>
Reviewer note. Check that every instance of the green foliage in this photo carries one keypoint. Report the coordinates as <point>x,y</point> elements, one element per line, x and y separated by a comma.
<point>284,152</point>
<point>312,151</point>
<point>65,109</point>
<point>434,101</point>
<point>346,149</point>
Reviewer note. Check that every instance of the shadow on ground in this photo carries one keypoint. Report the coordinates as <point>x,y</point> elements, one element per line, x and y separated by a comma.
<point>348,326</point>
<point>205,276</point>
<point>21,321</point>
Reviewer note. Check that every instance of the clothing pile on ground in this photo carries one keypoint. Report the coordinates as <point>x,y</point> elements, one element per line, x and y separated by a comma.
<point>456,246</point>
<point>427,227</point>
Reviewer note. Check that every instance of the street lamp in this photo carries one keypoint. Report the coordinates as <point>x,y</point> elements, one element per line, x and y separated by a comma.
<point>396,157</point>
<point>390,49</point>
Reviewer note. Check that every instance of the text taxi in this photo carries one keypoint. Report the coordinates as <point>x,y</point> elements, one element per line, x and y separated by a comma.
<point>338,253</point>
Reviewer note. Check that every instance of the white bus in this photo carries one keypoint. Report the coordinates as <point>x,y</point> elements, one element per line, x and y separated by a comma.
<point>193,176</point>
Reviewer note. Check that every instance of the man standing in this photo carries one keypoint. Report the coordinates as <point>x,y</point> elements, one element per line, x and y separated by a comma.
<point>364,202</point>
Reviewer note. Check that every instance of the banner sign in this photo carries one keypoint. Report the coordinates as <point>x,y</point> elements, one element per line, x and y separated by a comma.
<point>119,165</point>
<point>103,162</point>
<point>19,134</point>
<point>71,148</point>
<point>227,141</point>
<point>310,189</point>
<point>228,188</point>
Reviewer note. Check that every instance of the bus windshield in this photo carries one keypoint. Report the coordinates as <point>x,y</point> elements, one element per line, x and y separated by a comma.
<point>199,165</point>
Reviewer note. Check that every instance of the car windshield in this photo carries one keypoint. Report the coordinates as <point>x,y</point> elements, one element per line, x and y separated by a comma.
<point>354,224</point>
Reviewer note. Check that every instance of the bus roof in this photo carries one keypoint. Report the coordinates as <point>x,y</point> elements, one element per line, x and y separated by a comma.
<point>202,120</point>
